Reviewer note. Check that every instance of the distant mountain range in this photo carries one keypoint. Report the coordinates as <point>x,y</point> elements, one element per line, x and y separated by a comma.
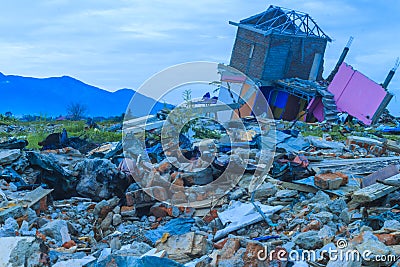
<point>51,96</point>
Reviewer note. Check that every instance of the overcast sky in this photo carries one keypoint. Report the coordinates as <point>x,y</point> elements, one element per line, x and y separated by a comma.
<point>117,44</point>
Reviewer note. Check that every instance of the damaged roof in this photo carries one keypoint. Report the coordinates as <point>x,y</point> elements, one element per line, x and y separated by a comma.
<point>283,21</point>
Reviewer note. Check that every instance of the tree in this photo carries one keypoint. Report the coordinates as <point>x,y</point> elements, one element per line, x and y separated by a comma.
<point>76,110</point>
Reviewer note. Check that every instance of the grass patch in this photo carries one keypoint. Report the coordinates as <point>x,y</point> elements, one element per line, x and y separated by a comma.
<point>74,129</point>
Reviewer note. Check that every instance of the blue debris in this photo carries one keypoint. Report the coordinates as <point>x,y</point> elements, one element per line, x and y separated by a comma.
<point>178,226</point>
<point>388,129</point>
<point>133,261</point>
<point>266,238</point>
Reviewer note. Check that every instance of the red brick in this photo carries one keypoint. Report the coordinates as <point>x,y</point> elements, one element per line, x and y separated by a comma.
<point>328,180</point>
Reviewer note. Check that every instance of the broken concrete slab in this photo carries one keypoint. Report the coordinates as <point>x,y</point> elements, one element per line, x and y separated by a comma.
<point>13,211</point>
<point>23,251</point>
<point>55,229</point>
<point>308,240</point>
<point>100,179</point>
<point>240,215</point>
<point>183,248</point>
<point>13,143</point>
<point>36,195</point>
<point>373,192</point>
<point>8,156</point>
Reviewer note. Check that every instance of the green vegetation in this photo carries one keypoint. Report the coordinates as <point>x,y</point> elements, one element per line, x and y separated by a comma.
<point>37,131</point>
<point>7,120</point>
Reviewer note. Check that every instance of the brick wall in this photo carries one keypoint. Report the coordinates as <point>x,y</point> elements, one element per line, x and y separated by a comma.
<point>241,51</point>
<point>303,52</point>
<point>275,56</point>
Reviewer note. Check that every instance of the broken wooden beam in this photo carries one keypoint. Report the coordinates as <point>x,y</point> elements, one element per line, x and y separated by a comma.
<point>380,175</point>
<point>373,192</point>
<point>294,186</point>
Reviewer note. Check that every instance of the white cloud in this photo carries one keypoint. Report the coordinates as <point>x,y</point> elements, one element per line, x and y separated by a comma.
<point>120,43</point>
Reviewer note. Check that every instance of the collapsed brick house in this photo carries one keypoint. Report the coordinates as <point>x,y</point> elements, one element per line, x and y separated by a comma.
<point>282,51</point>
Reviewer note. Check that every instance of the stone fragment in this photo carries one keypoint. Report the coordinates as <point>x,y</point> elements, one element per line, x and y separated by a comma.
<point>54,230</point>
<point>322,216</point>
<point>107,221</point>
<point>23,251</point>
<point>7,156</point>
<point>116,220</point>
<point>128,211</point>
<point>391,224</point>
<point>182,248</point>
<point>286,193</point>
<point>265,190</point>
<point>308,240</point>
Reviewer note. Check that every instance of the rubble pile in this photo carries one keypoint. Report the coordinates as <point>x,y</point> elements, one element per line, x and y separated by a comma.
<point>63,208</point>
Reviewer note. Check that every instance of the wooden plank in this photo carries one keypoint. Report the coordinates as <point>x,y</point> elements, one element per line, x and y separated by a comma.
<point>139,125</point>
<point>343,162</point>
<point>300,187</point>
<point>293,186</point>
<point>207,203</point>
<point>380,175</point>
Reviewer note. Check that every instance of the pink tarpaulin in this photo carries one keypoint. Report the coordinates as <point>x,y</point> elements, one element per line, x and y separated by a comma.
<point>356,94</point>
<point>316,108</point>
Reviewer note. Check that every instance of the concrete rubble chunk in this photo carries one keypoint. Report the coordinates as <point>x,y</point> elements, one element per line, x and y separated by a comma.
<point>100,179</point>
<point>55,230</point>
<point>286,193</point>
<point>140,247</point>
<point>23,251</point>
<point>8,156</point>
<point>183,248</point>
<point>9,228</point>
<point>308,240</point>
<point>116,220</point>
<point>240,215</point>
<point>265,190</point>
<point>107,221</point>
<point>391,224</point>
<point>375,248</point>
<point>322,216</point>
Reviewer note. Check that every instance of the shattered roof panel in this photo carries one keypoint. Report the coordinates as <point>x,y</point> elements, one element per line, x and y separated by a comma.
<point>308,88</point>
<point>284,21</point>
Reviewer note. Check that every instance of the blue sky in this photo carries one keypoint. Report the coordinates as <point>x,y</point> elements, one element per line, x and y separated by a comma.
<point>120,43</point>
